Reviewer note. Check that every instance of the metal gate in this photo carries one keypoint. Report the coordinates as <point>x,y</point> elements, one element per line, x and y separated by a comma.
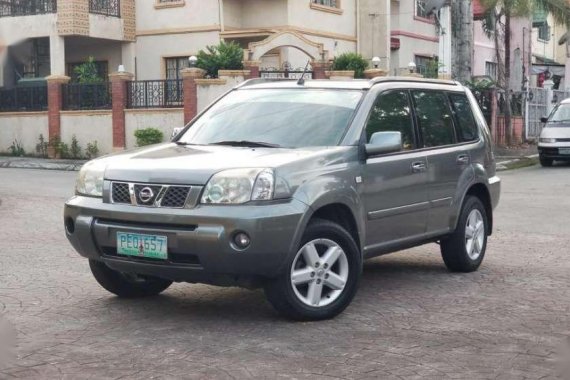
<point>285,72</point>
<point>538,107</point>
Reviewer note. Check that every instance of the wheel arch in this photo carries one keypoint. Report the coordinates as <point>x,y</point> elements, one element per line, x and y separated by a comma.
<point>480,191</point>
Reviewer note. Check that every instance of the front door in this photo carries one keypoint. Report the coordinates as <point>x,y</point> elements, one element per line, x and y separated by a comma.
<point>394,185</point>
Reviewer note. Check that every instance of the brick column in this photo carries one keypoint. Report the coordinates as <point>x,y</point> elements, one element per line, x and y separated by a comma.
<point>54,84</point>
<point>319,68</point>
<point>190,89</point>
<point>119,104</point>
<point>253,67</point>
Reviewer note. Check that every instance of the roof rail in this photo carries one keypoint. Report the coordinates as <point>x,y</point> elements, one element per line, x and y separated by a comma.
<point>413,79</point>
<point>253,81</point>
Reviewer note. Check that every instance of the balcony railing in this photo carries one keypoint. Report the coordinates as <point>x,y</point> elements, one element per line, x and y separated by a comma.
<point>78,96</point>
<point>155,94</point>
<point>26,7</point>
<point>21,99</point>
<point>105,7</point>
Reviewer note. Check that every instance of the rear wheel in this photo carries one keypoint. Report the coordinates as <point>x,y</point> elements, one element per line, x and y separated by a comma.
<point>463,251</point>
<point>546,162</point>
<point>321,279</point>
<point>127,285</point>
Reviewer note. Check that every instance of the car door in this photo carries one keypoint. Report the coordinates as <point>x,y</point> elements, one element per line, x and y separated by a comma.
<point>447,154</point>
<point>394,185</point>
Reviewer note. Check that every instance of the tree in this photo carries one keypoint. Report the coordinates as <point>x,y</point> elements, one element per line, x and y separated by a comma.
<point>224,56</point>
<point>87,72</point>
<point>461,39</point>
<point>497,25</point>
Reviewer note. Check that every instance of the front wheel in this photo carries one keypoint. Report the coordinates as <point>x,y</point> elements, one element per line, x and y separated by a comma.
<point>321,279</point>
<point>546,162</point>
<point>463,251</point>
<point>127,285</point>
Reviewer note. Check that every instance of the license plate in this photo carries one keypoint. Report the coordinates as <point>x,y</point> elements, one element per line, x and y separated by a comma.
<point>564,150</point>
<point>140,245</point>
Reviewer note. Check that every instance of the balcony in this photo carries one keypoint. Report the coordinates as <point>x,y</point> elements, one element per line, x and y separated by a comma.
<point>12,8</point>
<point>105,7</point>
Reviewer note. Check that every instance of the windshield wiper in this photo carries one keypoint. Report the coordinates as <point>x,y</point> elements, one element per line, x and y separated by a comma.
<point>245,143</point>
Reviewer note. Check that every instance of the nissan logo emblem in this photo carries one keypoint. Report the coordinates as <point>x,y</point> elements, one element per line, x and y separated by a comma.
<point>146,194</point>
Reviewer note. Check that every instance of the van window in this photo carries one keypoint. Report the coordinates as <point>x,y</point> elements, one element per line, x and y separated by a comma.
<point>434,118</point>
<point>466,125</point>
<point>392,113</point>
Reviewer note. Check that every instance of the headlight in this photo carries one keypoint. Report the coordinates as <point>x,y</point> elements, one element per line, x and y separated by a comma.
<point>90,179</point>
<point>547,140</point>
<point>238,186</point>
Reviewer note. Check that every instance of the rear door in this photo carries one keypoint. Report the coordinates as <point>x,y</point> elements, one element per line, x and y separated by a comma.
<point>447,147</point>
<point>394,185</point>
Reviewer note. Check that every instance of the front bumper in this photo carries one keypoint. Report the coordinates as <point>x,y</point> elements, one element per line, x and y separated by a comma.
<point>495,190</point>
<point>199,239</point>
<point>552,151</point>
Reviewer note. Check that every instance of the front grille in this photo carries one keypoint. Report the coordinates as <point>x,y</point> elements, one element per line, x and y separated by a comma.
<point>175,196</point>
<point>562,140</point>
<point>152,195</point>
<point>120,192</point>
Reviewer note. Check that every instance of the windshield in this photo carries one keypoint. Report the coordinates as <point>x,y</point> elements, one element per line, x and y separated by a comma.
<point>291,118</point>
<point>560,114</point>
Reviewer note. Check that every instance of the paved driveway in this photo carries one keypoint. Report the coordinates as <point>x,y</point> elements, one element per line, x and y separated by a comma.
<point>410,319</point>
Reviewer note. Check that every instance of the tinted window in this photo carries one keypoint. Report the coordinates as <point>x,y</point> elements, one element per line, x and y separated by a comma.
<point>434,118</point>
<point>291,118</point>
<point>466,126</point>
<point>391,112</point>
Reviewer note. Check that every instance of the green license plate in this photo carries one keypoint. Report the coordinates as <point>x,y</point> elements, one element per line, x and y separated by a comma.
<point>564,151</point>
<point>140,245</point>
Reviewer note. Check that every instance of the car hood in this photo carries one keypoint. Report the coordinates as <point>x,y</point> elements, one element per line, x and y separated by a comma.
<point>194,165</point>
<point>556,130</point>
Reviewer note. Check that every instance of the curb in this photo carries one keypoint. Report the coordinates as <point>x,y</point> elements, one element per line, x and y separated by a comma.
<point>41,164</point>
<point>502,165</point>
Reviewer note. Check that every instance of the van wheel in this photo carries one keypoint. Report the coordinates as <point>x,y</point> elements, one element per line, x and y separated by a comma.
<point>463,251</point>
<point>127,285</point>
<point>546,162</point>
<point>321,279</point>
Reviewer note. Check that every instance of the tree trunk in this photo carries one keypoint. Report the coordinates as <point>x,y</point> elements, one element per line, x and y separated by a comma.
<point>461,40</point>
<point>508,112</point>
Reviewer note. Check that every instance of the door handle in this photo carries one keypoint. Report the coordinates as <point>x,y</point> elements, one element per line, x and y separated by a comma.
<point>419,166</point>
<point>462,159</point>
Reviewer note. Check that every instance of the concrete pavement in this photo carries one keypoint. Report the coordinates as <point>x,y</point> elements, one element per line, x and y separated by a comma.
<point>410,320</point>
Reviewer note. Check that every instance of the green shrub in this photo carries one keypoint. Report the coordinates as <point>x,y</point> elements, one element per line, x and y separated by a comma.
<point>42,146</point>
<point>63,150</point>
<point>92,150</point>
<point>351,61</point>
<point>225,56</point>
<point>86,73</point>
<point>75,148</point>
<point>16,149</point>
<point>148,136</point>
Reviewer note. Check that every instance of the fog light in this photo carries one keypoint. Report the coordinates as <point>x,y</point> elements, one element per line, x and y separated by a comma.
<point>69,225</point>
<point>242,240</point>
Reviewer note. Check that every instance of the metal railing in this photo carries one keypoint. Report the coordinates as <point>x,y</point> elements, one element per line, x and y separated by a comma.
<point>78,96</point>
<point>105,7</point>
<point>155,94</point>
<point>21,99</point>
<point>9,8</point>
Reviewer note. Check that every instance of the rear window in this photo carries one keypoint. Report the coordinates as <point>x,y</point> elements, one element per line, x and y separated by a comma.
<point>465,121</point>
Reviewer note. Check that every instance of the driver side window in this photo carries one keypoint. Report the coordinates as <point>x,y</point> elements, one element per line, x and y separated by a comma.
<point>392,113</point>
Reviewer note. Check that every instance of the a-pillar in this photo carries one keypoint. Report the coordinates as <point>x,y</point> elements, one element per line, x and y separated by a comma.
<point>55,103</point>
<point>253,67</point>
<point>119,81</point>
<point>190,90</point>
<point>319,69</point>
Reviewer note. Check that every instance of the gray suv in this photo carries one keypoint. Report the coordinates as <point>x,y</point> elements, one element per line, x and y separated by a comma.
<point>289,186</point>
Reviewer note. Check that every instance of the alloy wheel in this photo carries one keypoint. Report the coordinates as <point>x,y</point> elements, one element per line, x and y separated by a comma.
<point>474,234</point>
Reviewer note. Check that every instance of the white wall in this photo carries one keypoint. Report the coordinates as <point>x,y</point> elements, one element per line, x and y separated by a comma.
<point>194,13</point>
<point>78,49</point>
<point>163,119</point>
<point>24,127</point>
<point>88,126</point>
<point>110,28</point>
<point>208,93</point>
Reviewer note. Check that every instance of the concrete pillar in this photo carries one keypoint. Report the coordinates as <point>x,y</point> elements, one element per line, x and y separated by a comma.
<point>57,54</point>
<point>319,69</point>
<point>190,90</point>
<point>253,67</point>
<point>119,82</point>
<point>128,53</point>
<point>54,88</point>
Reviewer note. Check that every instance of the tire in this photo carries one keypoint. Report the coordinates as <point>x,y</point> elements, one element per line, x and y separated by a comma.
<point>546,162</point>
<point>125,285</point>
<point>454,248</point>
<point>337,282</point>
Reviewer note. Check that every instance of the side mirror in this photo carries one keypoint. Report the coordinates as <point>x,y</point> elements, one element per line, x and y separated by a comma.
<point>175,132</point>
<point>543,120</point>
<point>383,143</point>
